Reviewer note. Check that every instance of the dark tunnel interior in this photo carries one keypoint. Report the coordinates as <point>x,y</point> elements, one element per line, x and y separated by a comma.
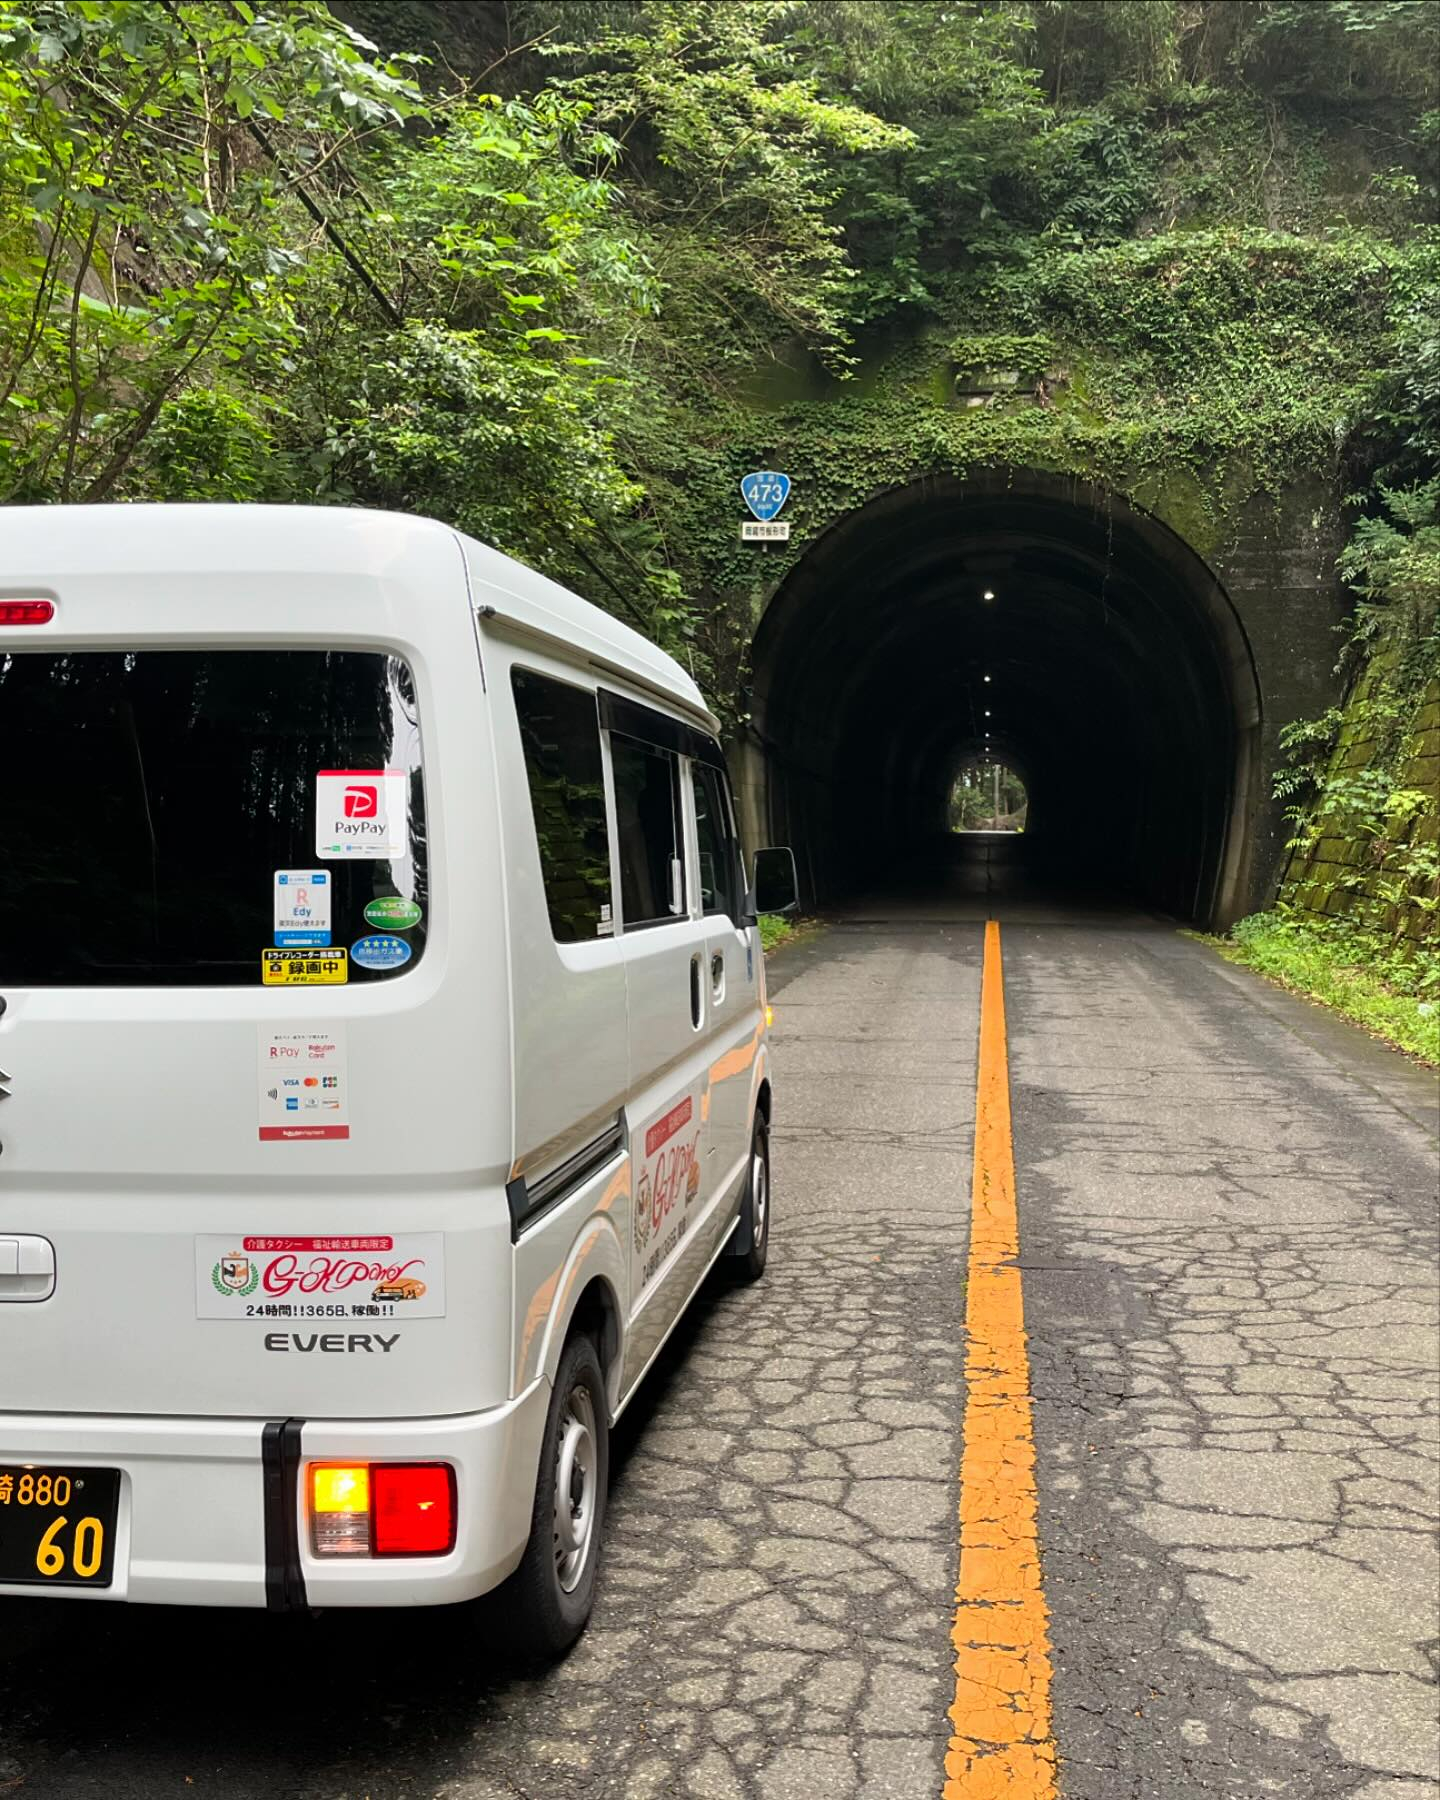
<point>1062,631</point>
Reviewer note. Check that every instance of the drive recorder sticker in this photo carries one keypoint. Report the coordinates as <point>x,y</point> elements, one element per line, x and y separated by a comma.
<point>361,812</point>
<point>304,968</point>
<point>304,1092</point>
<point>357,1278</point>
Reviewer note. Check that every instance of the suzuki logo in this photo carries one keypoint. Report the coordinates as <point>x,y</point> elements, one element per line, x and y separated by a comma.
<point>362,802</point>
<point>4,1091</point>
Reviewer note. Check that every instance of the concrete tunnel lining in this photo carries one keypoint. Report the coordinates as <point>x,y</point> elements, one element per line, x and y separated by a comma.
<point>1123,691</point>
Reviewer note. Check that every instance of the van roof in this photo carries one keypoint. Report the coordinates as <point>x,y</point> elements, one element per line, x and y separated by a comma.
<point>45,543</point>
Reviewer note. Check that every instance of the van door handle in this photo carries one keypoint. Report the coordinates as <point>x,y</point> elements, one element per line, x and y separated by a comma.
<point>717,977</point>
<point>27,1268</point>
<point>697,992</point>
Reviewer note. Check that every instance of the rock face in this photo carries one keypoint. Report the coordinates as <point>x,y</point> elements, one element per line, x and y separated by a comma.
<point>1375,867</point>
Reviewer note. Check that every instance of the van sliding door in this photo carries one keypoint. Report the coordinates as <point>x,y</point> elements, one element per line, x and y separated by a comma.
<point>670,1021</point>
<point>731,973</point>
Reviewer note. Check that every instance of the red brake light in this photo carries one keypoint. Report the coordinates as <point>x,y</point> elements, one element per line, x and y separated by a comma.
<point>26,612</point>
<point>412,1509</point>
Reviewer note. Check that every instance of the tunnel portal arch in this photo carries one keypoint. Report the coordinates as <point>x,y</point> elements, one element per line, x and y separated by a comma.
<point>1123,689</point>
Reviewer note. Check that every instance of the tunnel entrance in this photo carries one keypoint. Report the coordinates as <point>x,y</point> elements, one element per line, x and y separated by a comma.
<point>1029,619</point>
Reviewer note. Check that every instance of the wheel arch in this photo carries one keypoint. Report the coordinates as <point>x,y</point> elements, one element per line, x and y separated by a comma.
<point>597,1312</point>
<point>588,1297</point>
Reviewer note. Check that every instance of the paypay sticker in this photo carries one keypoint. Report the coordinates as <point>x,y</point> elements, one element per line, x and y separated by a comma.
<point>361,813</point>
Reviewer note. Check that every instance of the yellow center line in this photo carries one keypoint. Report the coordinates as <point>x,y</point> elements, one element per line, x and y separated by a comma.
<point>1000,1743</point>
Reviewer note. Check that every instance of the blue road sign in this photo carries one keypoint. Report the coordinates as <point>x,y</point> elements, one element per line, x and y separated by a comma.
<point>765,492</point>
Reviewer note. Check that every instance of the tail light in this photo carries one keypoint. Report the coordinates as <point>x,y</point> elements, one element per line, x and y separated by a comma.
<point>340,1510</point>
<point>382,1509</point>
<point>26,612</point>
<point>412,1509</point>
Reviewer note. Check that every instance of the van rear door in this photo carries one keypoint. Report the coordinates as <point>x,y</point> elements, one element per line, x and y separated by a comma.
<point>244,1047</point>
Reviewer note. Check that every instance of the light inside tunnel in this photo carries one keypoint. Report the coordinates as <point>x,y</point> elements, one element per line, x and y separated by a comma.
<point>1124,695</point>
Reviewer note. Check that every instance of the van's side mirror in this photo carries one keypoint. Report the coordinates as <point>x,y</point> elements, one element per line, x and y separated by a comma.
<point>777,888</point>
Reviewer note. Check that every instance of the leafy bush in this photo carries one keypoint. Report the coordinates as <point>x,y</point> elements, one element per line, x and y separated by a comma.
<point>1358,974</point>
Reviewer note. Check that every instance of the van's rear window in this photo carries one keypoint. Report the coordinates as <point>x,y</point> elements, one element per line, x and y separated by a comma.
<point>169,817</point>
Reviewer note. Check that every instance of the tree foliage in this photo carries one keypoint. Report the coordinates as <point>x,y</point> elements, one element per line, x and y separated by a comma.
<point>247,253</point>
<point>153,227</point>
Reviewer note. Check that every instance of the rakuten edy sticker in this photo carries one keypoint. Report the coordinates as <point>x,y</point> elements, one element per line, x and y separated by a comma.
<point>361,813</point>
<point>360,1278</point>
<point>302,908</point>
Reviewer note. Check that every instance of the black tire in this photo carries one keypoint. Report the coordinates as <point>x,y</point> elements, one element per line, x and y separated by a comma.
<point>749,1249</point>
<point>545,1614</point>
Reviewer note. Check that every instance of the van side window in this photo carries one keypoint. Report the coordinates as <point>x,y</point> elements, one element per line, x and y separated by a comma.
<point>719,851</point>
<point>652,838</point>
<point>560,734</point>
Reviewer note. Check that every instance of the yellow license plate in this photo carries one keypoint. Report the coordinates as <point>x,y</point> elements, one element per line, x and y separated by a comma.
<point>305,968</point>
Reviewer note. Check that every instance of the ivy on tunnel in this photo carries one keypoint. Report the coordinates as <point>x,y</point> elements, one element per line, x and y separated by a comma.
<point>1048,627</point>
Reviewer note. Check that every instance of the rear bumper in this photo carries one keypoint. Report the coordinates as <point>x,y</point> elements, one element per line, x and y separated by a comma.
<point>206,1514</point>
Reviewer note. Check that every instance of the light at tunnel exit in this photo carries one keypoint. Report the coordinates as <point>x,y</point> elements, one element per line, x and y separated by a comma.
<point>987,795</point>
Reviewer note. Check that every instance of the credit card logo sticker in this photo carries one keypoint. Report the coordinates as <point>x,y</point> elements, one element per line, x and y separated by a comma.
<point>302,1088</point>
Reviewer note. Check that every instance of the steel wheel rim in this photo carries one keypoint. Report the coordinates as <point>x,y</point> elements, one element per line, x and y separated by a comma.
<point>577,1470</point>
<point>759,1195</point>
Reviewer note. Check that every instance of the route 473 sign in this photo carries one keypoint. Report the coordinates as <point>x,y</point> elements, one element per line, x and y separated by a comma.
<point>765,491</point>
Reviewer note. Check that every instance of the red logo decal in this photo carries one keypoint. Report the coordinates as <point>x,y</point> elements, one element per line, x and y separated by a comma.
<point>362,802</point>
<point>333,1274</point>
<point>668,1126</point>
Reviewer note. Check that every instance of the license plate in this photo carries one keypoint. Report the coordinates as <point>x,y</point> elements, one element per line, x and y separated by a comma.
<point>57,1526</point>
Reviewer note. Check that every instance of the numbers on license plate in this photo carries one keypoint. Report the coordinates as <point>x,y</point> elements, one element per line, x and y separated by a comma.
<point>84,1546</point>
<point>35,1490</point>
<point>78,1546</point>
<point>57,1526</point>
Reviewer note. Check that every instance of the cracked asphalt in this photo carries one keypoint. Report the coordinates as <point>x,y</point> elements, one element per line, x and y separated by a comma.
<point>1227,1209</point>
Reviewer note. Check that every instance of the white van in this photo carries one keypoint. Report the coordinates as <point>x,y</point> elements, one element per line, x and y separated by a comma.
<point>384,1050</point>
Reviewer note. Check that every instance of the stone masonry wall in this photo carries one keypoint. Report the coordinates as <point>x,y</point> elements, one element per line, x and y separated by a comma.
<point>1346,870</point>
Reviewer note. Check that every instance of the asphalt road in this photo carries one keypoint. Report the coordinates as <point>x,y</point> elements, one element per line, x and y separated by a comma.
<point>1227,1212</point>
